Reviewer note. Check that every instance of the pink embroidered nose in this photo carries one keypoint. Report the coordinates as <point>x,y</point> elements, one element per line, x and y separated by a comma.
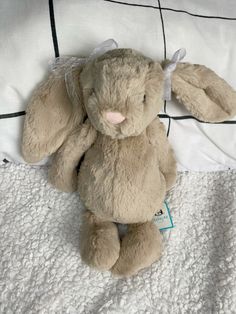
<point>114,117</point>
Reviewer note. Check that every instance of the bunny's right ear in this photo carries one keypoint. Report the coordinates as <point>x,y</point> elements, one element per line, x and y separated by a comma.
<point>50,117</point>
<point>207,96</point>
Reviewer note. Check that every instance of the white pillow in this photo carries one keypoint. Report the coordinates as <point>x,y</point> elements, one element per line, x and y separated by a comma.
<point>35,33</point>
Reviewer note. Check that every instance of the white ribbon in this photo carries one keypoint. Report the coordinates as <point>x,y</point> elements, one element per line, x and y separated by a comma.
<point>105,46</point>
<point>60,64</point>
<point>169,68</point>
<point>65,66</point>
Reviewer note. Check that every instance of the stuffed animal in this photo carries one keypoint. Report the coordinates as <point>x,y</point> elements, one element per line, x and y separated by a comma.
<point>126,163</point>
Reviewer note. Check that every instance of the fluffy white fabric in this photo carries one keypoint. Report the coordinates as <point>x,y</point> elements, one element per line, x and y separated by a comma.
<point>41,270</point>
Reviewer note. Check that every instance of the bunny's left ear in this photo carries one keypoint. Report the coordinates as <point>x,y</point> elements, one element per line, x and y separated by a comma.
<point>207,96</point>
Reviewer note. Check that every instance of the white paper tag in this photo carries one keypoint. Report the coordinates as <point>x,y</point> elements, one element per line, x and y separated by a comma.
<point>163,218</point>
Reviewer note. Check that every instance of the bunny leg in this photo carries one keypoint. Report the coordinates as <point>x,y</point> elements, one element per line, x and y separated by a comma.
<point>99,242</point>
<point>140,247</point>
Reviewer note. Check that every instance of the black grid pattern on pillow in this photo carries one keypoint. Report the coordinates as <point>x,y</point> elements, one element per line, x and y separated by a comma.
<point>160,9</point>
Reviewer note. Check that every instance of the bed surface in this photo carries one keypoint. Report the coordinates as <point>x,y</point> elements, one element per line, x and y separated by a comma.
<point>41,270</point>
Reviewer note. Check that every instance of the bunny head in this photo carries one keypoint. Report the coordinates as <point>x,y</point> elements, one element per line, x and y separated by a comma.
<point>122,92</point>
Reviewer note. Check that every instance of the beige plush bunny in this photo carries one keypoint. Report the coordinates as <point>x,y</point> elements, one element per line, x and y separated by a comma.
<point>128,163</point>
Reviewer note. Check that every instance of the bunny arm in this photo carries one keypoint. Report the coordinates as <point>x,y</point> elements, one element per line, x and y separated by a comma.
<point>167,163</point>
<point>63,174</point>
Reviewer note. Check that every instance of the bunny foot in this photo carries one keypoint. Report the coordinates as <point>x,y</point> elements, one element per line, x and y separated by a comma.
<point>140,247</point>
<point>99,242</point>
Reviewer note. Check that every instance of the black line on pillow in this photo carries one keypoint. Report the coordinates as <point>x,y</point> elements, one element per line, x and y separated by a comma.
<point>5,160</point>
<point>132,4</point>
<point>164,43</point>
<point>161,115</point>
<point>173,10</point>
<point>12,115</point>
<point>166,116</point>
<point>163,28</point>
<point>53,28</point>
<point>168,129</point>
<point>164,39</point>
<point>200,15</point>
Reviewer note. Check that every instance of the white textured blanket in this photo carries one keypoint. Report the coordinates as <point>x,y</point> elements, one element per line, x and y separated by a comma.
<point>41,270</point>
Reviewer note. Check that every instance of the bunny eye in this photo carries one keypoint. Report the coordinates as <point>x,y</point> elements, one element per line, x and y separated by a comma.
<point>144,98</point>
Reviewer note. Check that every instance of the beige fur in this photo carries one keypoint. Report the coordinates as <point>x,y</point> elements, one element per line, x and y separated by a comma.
<point>207,96</point>
<point>140,247</point>
<point>63,174</point>
<point>99,242</point>
<point>50,117</point>
<point>128,166</point>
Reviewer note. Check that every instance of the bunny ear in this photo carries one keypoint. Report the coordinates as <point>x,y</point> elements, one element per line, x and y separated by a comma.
<point>207,96</point>
<point>50,116</point>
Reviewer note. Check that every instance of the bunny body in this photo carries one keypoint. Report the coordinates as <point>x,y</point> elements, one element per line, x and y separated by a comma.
<point>123,181</point>
<point>128,164</point>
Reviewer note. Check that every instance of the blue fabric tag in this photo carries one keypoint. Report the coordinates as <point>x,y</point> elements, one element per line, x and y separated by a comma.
<point>163,218</point>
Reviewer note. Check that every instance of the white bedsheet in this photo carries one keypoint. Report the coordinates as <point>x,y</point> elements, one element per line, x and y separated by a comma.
<point>41,270</point>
